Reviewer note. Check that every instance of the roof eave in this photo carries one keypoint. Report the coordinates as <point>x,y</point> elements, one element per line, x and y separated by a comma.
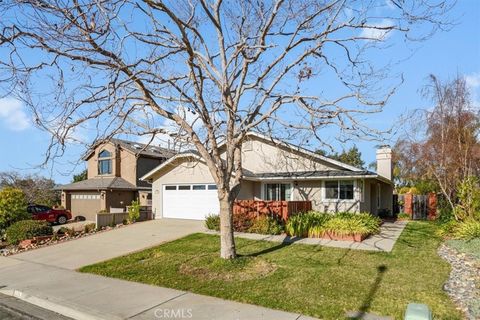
<point>310,178</point>
<point>152,172</point>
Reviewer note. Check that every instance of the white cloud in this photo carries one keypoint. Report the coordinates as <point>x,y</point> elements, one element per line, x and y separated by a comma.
<point>473,80</point>
<point>12,113</point>
<point>378,34</point>
<point>473,84</point>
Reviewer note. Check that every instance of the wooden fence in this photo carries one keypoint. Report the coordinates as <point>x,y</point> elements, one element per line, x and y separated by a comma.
<point>107,219</point>
<point>281,209</point>
<point>116,216</point>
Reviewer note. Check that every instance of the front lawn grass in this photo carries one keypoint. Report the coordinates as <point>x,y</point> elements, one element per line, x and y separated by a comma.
<point>318,281</point>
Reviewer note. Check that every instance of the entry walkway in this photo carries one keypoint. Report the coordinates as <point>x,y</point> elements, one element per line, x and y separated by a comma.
<point>384,241</point>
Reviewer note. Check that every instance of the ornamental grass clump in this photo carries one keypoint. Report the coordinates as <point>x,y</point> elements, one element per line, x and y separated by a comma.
<point>300,225</point>
<point>315,224</point>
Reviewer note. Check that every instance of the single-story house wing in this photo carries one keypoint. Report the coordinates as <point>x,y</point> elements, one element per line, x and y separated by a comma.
<point>182,187</point>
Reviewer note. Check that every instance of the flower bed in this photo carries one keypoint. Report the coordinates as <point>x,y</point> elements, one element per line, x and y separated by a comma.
<point>341,226</point>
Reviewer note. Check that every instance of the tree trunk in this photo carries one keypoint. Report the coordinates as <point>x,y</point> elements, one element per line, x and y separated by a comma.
<point>227,241</point>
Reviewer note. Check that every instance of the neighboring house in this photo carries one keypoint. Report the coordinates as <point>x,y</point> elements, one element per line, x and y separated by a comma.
<point>273,170</point>
<point>114,170</point>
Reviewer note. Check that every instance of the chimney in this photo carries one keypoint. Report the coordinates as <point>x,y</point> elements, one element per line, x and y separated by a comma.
<point>384,162</point>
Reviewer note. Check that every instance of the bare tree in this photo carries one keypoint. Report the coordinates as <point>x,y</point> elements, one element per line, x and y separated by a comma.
<point>206,71</point>
<point>445,148</point>
<point>37,189</point>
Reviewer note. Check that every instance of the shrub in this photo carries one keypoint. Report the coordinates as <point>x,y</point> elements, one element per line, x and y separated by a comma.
<point>134,211</point>
<point>212,222</point>
<point>404,190</point>
<point>447,229</point>
<point>70,232</point>
<point>89,227</point>
<point>315,224</point>
<point>403,216</point>
<point>242,222</point>
<point>13,207</point>
<point>468,192</point>
<point>266,225</point>
<point>467,230</point>
<point>343,226</point>
<point>27,229</point>
<point>299,225</point>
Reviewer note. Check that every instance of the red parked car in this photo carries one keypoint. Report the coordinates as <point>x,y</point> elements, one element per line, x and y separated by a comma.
<point>48,214</point>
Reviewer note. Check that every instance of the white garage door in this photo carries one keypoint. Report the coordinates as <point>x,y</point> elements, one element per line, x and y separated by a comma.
<point>190,201</point>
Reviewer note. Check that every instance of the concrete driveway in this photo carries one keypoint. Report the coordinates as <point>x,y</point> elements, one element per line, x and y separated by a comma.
<point>107,245</point>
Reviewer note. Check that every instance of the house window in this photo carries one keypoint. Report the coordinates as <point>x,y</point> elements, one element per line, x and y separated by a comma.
<point>339,189</point>
<point>104,162</point>
<point>277,191</point>
<point>199,187</point>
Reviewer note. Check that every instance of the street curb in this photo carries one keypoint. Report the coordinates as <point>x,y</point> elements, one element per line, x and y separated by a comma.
<point>63,310</point>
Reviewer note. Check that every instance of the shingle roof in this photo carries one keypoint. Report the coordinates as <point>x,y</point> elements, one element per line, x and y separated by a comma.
<point>143,149</point>
<point>311,174</point>
<point>99,184</point>
<point>136,148</point>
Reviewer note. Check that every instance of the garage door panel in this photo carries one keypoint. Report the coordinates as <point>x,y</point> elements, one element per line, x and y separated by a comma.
<point>194,201</point>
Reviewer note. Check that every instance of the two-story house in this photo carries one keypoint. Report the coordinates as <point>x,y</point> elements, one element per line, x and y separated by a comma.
<point>113,180</point>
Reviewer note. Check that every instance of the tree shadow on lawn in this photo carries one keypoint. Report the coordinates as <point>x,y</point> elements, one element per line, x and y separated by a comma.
<point>381,269</point>
<point>285,243</point>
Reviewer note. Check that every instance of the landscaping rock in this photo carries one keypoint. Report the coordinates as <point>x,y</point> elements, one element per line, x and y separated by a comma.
<point>39,242</point>
<point>463,283</point>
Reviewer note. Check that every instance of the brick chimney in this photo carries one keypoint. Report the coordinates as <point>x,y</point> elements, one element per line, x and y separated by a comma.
<point>384,162</point>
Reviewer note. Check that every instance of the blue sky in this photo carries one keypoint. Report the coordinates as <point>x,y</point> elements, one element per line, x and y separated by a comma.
<point>446,54</point>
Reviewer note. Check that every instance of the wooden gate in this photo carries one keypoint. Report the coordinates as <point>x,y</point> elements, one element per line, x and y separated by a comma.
<point>419,207</point>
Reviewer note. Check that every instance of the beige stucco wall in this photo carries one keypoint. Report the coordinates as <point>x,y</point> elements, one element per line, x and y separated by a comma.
<point>265,157</point>
<point>92,162</point>
<point>128,166</point>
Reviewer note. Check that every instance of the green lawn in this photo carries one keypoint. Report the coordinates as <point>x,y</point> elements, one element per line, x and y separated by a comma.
<point>317,281</point>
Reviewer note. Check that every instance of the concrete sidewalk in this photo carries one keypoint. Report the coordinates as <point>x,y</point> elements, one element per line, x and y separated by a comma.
<point>86,296</point>
<point>384,241</point>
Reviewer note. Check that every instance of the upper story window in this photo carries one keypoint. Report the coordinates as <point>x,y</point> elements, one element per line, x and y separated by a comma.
<point>105,162</point>
<point>339,189</point>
